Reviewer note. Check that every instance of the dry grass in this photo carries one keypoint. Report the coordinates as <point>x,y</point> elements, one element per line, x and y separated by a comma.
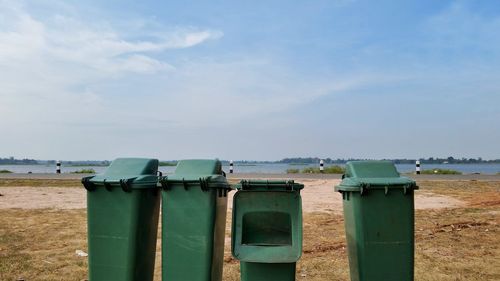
<point>451,244</point>
<point>41,244</point>
<point>41,182</point>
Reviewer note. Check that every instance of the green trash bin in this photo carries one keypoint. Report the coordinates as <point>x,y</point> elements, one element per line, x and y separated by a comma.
<point>267,229</point>
<point>122,213</point>
<point>194,206</point>
<point>379,221</point>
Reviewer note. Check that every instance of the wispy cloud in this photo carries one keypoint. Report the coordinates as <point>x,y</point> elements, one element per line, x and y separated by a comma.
<point>69,63</point>
<point>68,40</point>
<point>52,64</point>
<point>101,83</point>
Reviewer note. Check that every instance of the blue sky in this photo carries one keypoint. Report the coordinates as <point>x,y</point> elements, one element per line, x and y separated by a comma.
<point>246,80</point>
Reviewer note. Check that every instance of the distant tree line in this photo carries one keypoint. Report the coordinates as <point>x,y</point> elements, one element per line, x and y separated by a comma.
<point>84,163</point>
<point>430,160</point>
<point>12,161</point>
<point>311,160</point>
<point>296,160</point>
<point>463,160</point>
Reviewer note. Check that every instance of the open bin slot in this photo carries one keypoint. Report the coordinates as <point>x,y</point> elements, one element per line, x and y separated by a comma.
<point>267,229</point>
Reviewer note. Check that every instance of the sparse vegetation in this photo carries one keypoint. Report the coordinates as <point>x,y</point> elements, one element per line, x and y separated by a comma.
<point>441,172</point>
<point>5,172</point>
<point>335,169</point>
<point>310,170</point>
<point>84,171</point>
<point>292,171</point>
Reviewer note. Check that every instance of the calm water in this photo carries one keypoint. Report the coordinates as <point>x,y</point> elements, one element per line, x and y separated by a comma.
<point>263,168</point>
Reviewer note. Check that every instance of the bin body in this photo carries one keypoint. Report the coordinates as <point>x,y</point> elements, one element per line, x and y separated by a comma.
<point>379,221</point>
<point>123,221</point>
<point>267,229</point>
<point>253,271</point>
<point>194,205</point>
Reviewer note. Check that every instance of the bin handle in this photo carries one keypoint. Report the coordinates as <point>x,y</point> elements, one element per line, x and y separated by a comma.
<point>410,186</point>
<point>126,184</point>
<point>364,188</point>
<point>164,183</point>
<point>204,184</point>
<point>107,185</point>
<point>87,184</point>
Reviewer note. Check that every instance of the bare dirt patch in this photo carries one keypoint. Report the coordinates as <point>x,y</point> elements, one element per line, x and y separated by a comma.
<point>432,201</point>
<point>317,196</point>
<point>27,197</point>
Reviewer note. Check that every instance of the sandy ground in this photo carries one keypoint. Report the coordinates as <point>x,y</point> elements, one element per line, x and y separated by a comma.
<point>25,197</point>
<point>317,196</point>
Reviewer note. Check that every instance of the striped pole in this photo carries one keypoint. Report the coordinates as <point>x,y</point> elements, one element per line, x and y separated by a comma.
<point>321,166</point>
<point>58,167</point>
<point>231,166</point>
<point>417,167</point>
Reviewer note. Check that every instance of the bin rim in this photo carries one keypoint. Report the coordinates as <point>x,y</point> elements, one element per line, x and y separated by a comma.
<point>268,185</point>
<point>203,181</point>
<point>357,184</point>
<point>126,182</point>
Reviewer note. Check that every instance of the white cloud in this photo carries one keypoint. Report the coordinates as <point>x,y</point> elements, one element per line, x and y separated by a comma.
<point>78,86</point>
<point>50,63</point>
<point>192,39</point>
<point>67,40</point>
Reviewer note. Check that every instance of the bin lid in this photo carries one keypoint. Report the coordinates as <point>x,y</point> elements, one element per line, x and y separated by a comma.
<point>373,174</point>
<point>197,167</point>
<point>206,173</point>
<point>269,185</point>
<point>127,173</point>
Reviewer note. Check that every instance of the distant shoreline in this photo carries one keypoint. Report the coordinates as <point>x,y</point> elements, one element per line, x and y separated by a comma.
<point>290,161</point>
<point>265,168</point>
<point>237,176</point>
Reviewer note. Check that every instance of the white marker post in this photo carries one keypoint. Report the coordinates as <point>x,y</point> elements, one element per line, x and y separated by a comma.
<point>321,166</point>
<point>417,167</point>
<point>58,167</point>
<point>231,166</point>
